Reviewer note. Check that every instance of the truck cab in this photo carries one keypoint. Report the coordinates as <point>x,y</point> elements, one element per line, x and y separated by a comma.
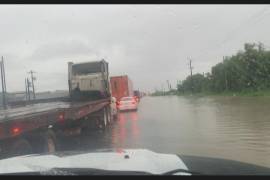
<point>88,80</point>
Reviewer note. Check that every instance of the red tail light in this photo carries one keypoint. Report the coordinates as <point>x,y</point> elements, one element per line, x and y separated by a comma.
<point>16,130</point>
<point>61,117</point>
<point>118,104</point>
<point>136,98</point>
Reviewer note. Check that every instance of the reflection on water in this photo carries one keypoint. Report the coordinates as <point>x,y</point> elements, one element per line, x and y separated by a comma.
<point>125,132</point>
<point>225,127</point>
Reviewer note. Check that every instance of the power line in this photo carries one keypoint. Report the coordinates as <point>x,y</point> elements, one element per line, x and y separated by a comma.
<point>258,15</point>
<point>233,32</point>
<point>260,19</point>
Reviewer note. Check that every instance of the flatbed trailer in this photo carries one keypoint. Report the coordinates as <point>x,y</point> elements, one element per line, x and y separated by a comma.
<point>39,127</point>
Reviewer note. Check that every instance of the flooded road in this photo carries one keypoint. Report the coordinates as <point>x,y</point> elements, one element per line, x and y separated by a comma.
<point>236,128</point>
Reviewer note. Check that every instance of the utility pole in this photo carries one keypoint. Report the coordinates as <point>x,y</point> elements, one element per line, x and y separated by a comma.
<point>27,89</point>
<point>226,80</point>
<point>190,67</point>
<point>3,79</point>
<point>26,92</point>
<point>169,86</point>
<point>162,89</point>
<point>33,86</point>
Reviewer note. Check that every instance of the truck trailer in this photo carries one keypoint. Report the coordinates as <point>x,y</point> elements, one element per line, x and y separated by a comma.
<point>121,86</point>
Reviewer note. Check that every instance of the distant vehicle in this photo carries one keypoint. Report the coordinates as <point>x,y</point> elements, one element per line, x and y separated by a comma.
<point>121,86</point>
<point>127,103</point>
<point>137,95</point>
<point>113,107</point>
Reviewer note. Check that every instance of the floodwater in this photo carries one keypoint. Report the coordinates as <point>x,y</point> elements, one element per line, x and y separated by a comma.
<point>236,128</point>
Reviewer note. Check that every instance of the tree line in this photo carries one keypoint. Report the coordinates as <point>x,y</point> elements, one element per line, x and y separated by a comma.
<point>247,70</point>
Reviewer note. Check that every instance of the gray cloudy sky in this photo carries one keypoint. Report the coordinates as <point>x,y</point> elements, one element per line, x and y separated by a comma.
<point>150,43</point>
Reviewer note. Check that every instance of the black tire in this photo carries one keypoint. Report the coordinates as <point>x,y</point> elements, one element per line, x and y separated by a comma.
<point>21,147</point>
<point>45,142</point>
<point>50,143</point>
<point>91,126</point>
<point>109,115</point>
<point>103,121</point>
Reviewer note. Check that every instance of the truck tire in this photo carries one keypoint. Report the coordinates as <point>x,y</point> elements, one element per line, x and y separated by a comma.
<point>44,142</point>
<point>50,144</point>
<point>103,120</point>
<point>21,147</point>
<point>109,115</point>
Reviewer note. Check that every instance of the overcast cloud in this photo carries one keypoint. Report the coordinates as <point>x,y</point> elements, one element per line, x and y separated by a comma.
<point>149,43</point>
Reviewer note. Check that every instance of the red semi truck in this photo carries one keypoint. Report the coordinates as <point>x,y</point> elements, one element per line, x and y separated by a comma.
<point>121,86</point>
<point>39,126</point>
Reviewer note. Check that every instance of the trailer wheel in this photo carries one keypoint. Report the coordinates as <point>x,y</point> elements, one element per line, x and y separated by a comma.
<point>109,115</point>
<point>105,118</point>
<point>50,145</point>
<point>21,147</point>
<point>44,142</point>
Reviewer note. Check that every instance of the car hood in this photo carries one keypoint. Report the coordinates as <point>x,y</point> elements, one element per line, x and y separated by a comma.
<point>140,160</point>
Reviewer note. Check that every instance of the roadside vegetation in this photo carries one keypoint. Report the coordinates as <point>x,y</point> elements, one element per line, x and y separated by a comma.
<point>165,93</point>
<point>246,73</point>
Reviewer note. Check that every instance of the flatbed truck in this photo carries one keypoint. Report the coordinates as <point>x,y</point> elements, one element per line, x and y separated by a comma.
<point>38,127</point>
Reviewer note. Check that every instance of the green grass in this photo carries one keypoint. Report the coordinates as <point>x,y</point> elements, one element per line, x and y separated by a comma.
<point>263,93</point>
<point>247,93</point>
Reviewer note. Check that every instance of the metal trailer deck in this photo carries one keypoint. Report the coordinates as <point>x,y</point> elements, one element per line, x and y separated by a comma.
<point>16,120</point>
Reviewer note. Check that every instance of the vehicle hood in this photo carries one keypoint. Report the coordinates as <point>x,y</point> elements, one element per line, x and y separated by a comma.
<point>140,160</point>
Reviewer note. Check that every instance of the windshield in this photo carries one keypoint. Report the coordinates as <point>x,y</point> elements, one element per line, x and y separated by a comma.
<point>190,86</point>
